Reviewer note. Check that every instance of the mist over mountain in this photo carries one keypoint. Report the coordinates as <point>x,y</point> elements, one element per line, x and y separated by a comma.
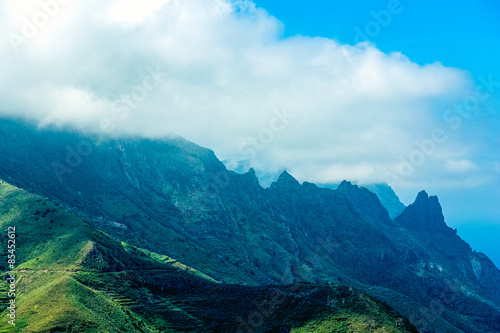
<point>225,75</point>
<point>388,198</point>
<point>241,166</point>
<point>175,198</point>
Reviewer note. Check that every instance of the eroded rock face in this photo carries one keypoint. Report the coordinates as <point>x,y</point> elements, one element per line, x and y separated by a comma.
<point>424,214</point>
<point>176,198</point>
<point>365,200</point>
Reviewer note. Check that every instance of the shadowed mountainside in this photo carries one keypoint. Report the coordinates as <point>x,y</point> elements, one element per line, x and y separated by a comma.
<point>175,198</point>
<point>75,278</point>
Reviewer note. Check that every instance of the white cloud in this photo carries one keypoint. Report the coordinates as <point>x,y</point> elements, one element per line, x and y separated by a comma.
<point>132,11</point>
<point>460,166</point>
<point>357,110</point>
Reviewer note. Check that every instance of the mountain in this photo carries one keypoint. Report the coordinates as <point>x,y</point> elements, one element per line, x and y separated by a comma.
<point>177,199</point>
<point>74,278</point>
<point>367,201</point>
<point>388,198</point>
<point>425,222</point>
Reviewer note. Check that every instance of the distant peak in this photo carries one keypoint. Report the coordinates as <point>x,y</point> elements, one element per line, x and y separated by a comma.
<point>309,185</point>
<point>346,185</point>
<point>425,211</point>
<point>285,180</point>
<point>251,177</point>
<point>388,198</point>
<point>365,200</point>
<point>429,202</point>
<point>285,176</point>
<point>422,196</point>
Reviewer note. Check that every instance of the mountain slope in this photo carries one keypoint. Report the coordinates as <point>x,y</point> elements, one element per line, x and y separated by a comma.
<point>386,195</point>
<point>388,198</point>
<point>175,198</point>
<point>73,278</point>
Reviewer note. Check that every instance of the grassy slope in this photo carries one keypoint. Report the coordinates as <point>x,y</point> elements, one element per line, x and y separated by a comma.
<point>75,278</point>
<point>52,247</point>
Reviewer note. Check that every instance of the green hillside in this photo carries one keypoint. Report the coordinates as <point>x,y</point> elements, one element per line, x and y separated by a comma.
<point>71,277</point>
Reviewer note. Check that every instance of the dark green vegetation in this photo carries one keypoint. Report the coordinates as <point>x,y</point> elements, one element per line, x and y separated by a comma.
<point>177,199</point>
<point>75,278</point>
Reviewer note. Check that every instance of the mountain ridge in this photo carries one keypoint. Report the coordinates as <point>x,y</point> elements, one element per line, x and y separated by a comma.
<point>71,277</point>
<point>179,200</point>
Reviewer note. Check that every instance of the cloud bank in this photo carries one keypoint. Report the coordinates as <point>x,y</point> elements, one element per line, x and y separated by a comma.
<point>221,74</point>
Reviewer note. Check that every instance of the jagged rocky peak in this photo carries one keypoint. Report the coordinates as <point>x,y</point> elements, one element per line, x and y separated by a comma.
<point>366,201</point>
<point>424,212</point>
<point>422,196</point>
<point>251,177</point>
<point>346,185</point>
<point>309,185</point>
<point>288,178</point>
<point>429,203</point>
<point>285,181</point>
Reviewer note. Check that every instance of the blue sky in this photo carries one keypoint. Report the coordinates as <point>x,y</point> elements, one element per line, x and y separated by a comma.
<point>462,34</point>
<point>280,85</point>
